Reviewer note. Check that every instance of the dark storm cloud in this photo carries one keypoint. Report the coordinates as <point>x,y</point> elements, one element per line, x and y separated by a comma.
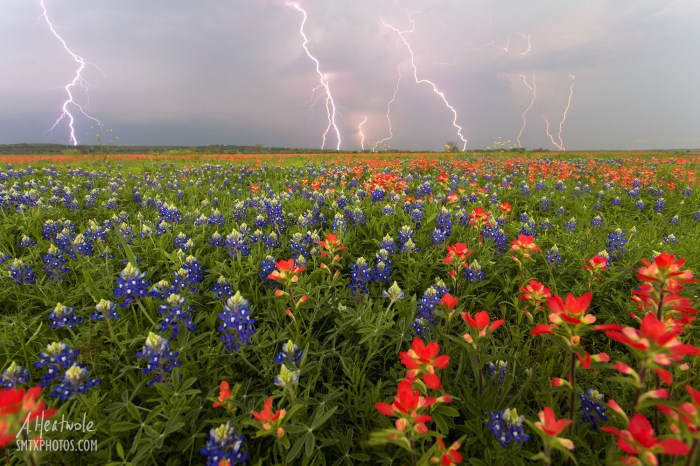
<point>233,71</point>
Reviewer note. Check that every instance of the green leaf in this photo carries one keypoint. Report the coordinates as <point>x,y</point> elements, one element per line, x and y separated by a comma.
<point>309,445</point>
<point>123,426</point>
<point>320,419</point>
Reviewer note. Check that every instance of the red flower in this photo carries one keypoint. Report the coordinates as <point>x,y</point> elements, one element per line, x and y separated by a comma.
<point>479,216</point>
<point>447,456</point>
<point>596,264</point>
<point>550,426</point>
<point>449,301</point>
<point>542,329</point>
<point>18,407</point>
<point>482,322</point>
<point>458,250</point>
<point>407,406</point>
<point>269,420</point>
<point>423,359</point>
<point>639,439</point>
<point>526,244</point>
<point>572,310</point>
<point>505,207</point>
<point>656,337</point>
<point>286,270</point>
<point>224,394</point>
<point>664,267</point>
<point>535,292</point>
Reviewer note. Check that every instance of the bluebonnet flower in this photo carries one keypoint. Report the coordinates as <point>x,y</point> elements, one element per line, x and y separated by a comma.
<point>616,244</point>
<point>357,216</point>
<point>388,209</point>
<point>105,309</point>
<point>639,205</point>
<point>546,225</point>
<point>675,220</point>
<point>236,242</point>
<point>56,359</point>
<point>201,220</point>
<point>438,236</point>
<point>236,324</point>
<point>426,307</point>
<point>561,211</point>
<point>687,191</point>
<point>559,186</point>
<point>544,203</point>
<point>417,217</point>
<point>616,201</point>
<point>125,231</point>
<point>360,276</point>
<point>394,293</point>
<point>174,312</point>
<point>500,239</point>
<point>63,316</point>
<point>216,218</point>
<point>160,359</point>
<point>473,273</point>
<point>286,378</point>
<point>405,233</point>
<point>4,257</point>
<point>597,221</point>
<point>272,241</point>
<point>593,408</point>
<point>597,206</point>
<point>339,223</point>
<point>224,444</point>
<point>55,263</point>
<point>290,352</point>
<point>552,255</point>
<point>670,238</point>
<point>523,218</point>
<point>524,188</point>
<point>508,427</point>
<point>21,274</point>
<point>26,242</point>
<point>82,245</point>
<point>162,228</point>
<point>131,285</point>
<point>75,381</point>
<point>222,288</point>
<point>267,266</point>
<point>180,241</point>
<point>216,239</point>
<point>659,205</point>
<point>189,275</point>
<point>444,221</point>
<point>500,368</point>
<point>14,376</point>
<point>378,194</point>
<point>382,272</point>
<point>161,289</point>
<point>696,217</point>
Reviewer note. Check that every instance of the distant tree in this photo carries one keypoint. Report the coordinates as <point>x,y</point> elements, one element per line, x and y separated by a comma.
<point>451,146</point>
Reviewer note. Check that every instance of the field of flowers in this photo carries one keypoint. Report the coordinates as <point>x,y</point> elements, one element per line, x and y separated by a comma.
<point>402,310</point>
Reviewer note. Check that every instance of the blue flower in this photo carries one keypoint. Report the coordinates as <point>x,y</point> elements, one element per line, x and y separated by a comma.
<point>21,274</point>
<point>500,368</point>
<point>290,352</point>
<point>616,244</point>
<point>224,444</point>
<point>552,255</point>
<point>64,317</point>
<point>474,272</point>
<point>57,358</point>
<point>160,359</point>
<point>174,312</point>
<point>236,324</point>
<point>75,381</point>
<point>571,224</point>
<point>55,264</point>
<point>597,221</point>
<point>105,308</point>
<point>593,408</point>
<point>131,285</point>
<point>508,427</point>
<point>14,376</point>
<point>222,288</point>
<point>360,276</point>
<point>267,266</point>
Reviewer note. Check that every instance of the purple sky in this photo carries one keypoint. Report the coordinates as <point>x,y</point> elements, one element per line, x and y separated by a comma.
<point>179,72</point>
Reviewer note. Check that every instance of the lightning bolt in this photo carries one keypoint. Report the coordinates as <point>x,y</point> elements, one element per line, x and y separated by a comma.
<point>533,89</point>
<point>323,81</point>
<point>560,145</point>
<point>361,133</point>
<point>77,81</point>
<point>418,80</point>
<point>388,113</point>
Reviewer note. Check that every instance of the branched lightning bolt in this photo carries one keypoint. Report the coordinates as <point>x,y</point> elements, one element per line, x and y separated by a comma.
<point>418,80</point>
<point>560,145</point>
<point>533,89</point>
<point>77,80</point>
<point>330,103</point>
<point>388,113</point>
<point>361,133</point>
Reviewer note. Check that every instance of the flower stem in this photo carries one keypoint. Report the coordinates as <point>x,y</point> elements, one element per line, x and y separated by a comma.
<point>547,454</point>
<point>572,395</point>
<point>642,377</point>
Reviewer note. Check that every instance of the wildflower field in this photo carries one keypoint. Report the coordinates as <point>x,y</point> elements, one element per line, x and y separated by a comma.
<point>449,309</point>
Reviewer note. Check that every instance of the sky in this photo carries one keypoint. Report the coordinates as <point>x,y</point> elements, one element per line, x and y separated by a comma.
<point>603,74</point>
